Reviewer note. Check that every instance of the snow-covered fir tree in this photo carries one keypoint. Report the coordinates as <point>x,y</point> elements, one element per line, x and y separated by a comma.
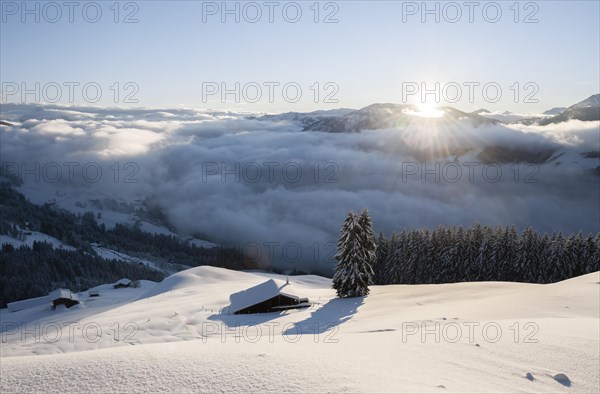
<point>381,256</point>
<point>355,256</point>
<point>529,258</point>
<point>393,263</point>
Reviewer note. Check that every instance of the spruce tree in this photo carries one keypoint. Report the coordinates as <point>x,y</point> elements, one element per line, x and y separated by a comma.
<point>381,256</point>
<point>393,264</point>
<point>556,258</point>
<point>529,256</point>
<point>355,256</point>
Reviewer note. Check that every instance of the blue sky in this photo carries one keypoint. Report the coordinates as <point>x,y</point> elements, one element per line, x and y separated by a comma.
<point>373,50</point>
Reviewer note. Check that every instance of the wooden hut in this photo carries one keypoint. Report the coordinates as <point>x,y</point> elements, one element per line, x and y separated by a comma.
<point>270,296</point>
<point>123,283</point>
<point>63,297</point>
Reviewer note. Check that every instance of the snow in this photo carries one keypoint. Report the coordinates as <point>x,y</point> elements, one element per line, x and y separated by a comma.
<point>154,229</point>
<point>177,336</point>
<point>103,252</point>
<point>32,236</point>
<point>202,243</point>
<point>110,254</point>
<point>77,201</point>
<point>28,303</point>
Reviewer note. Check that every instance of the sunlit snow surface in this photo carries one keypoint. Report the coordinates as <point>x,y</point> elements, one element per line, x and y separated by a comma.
<point>173,337</point>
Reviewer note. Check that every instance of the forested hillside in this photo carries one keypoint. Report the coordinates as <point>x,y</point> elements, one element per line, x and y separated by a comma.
<point>34,271</point>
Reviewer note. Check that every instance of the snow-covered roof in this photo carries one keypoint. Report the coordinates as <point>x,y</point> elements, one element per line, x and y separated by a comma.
<point>28,303</point>
<point>259,293</point>
<point>33,302</point>
<point>63,293</point>
<point>124,282</point>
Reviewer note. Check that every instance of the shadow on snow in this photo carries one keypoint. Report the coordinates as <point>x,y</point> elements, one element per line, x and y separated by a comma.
<point>332,314</point>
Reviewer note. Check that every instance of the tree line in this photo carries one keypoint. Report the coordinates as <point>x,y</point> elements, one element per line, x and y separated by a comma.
<point>27,272</point>
<point>483,253</point>
<point>457,254</point>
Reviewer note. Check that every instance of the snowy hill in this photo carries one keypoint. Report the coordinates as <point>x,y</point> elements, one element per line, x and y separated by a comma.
<point>29,237</point>
<point>177,336</point>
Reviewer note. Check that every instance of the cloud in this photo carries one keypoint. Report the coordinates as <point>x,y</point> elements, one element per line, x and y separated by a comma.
<point>239,180</point>
<point>57,127</point>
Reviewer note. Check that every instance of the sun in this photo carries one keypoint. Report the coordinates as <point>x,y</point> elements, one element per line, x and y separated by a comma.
<point>428,110</point>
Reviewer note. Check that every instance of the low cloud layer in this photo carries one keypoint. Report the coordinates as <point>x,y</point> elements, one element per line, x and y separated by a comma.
<point>236,179</point>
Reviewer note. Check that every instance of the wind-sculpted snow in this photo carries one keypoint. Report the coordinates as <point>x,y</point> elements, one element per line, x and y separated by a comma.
<point>233,178</point>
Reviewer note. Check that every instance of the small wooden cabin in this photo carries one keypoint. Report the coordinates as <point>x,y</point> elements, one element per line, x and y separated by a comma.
<point>270,296</point>
<point>63,297</point>
<point>123,283</point>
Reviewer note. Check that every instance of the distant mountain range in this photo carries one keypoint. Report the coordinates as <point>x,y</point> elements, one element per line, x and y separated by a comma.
<point>304,118</point>
<point>383,116</point>
<point>586,110</point>
<point>555,111</point>
<point>483,147</point>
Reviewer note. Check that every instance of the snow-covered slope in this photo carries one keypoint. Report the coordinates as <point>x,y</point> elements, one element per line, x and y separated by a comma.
<point>107,209</point>
<point>110,254</point>
<point>29,237</point>
<point>176,336</point>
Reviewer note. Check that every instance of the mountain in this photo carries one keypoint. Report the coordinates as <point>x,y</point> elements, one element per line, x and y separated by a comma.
<point>481,111</point>
<point>555,111</point>
<point>508,117</point>
<point>384,116</point>
<point>592,101</point>
<point>586,110</point>
<point>304,118</point>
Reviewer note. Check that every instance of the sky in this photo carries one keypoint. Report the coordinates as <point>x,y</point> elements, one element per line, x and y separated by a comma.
<point>181,54</point>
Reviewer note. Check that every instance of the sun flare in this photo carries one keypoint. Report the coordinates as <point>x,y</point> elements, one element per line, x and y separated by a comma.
<point>428,110</point>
